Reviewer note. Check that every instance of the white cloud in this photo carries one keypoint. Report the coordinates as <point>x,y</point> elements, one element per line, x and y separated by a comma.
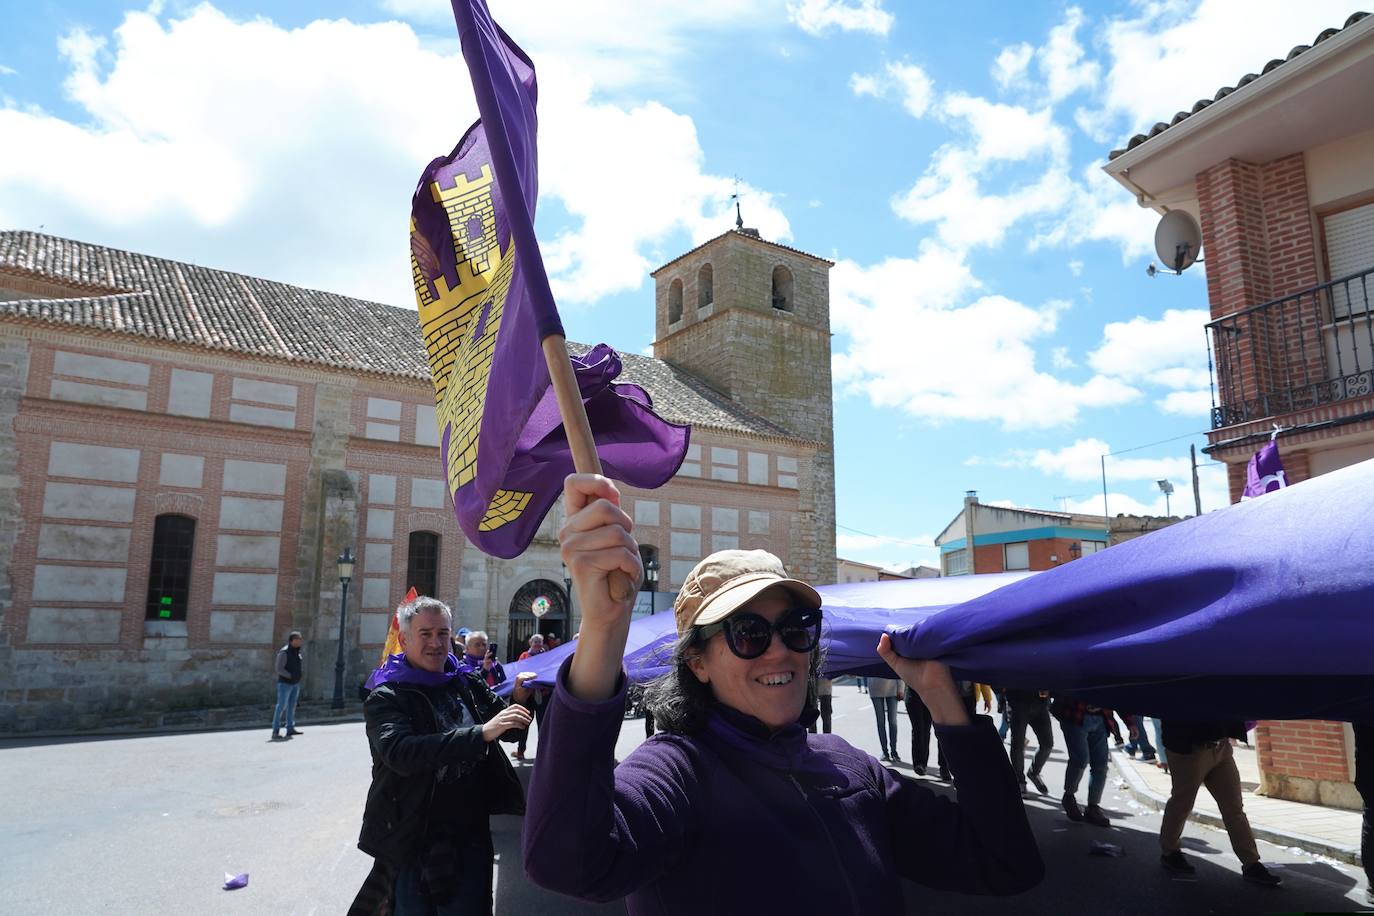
<point>1061,59</point>
<point>899,318</point>
<point>182,153</point>
<point>916,88</point>
<point>1146,499</point>
<point>1167,351</point>
<point>1076,267</point>
<point>819,16</point>
<point>1187,403</point>
<point>1082,461</point>
<point>911,84</point>
<point>1060,359</point>
<point>7,71</point>
<point>1174,53</point>
<point>1012,65</point>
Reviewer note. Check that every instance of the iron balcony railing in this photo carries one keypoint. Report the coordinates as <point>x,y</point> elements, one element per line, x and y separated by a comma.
<point>1306,350</point>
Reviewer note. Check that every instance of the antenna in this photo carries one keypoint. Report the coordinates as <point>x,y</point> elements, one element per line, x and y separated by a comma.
<point>739,218</point>
<point>1178,239</point>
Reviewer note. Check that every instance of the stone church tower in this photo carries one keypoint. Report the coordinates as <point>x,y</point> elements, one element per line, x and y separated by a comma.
<point>752,318</point>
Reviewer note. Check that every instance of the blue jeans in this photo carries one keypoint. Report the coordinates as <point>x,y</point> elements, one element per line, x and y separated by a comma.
<point>887,732</point>
<point>1087,747</point>
<point>287,695</point>
<point>1142,740</point>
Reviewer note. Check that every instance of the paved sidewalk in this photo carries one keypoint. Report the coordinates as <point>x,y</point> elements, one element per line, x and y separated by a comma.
<point>1331,832</point>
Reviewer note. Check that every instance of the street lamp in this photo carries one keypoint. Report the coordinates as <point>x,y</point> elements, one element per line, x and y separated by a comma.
<point>567,591</point>
<point>345,562</point>
<point>1167,488</point>
<point>651,582</point>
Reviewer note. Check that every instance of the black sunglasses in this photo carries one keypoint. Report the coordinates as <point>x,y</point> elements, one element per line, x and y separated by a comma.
<point>749,635</point>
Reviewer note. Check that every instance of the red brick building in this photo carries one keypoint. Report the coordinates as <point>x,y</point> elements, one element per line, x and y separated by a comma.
<point>1279,172</point>
<point>184,451</point>
<point>1011,539</point>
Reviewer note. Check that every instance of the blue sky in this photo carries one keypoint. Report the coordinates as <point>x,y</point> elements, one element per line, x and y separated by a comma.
<point>994,326</point>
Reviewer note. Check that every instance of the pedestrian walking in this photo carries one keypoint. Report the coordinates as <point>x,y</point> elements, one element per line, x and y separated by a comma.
<point>1200,755</point>
<point>437,775</point>
<point>289,672</point>
<point>1085,730</point>
<point>1139,738</point>
<point>825,701</point>
<point>919,717</point>
<point>882,691</point>
<point>538,696</point>
<point>717,813</point>
<point>1364,781</point>
<point>1030,709</point>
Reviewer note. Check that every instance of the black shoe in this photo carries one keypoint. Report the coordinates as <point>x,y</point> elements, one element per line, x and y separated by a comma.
<point>1256,873</point>
<point>896,757</point>
<point>1071,808</point>
<point>1148,759</point>
<point>276,735</point>
<point>1095,816</point>
<point>1176,863</point>
<point>918,770</point>
<point>1039,783</point>
<point>944,774</point>
<point>886,758</point>
<point>292,731</point>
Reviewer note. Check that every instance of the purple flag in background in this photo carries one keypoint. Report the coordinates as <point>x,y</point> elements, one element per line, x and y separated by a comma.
<point>1265,472</point>
<point>485,308</point>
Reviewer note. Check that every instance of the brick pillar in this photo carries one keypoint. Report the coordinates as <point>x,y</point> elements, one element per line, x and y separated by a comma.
<point>14,375</point>
<point>1307,761</point>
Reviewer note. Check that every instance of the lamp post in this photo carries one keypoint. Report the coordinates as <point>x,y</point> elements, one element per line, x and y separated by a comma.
<point>651,583</point>
<point>567,590</point>
<point>345,562</point>
<point>1167,488</point>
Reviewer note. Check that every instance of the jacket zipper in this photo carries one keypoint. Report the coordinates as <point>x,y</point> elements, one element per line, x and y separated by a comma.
<point>834,850</point>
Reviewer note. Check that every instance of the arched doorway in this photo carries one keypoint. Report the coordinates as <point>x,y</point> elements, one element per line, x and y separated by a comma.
<point>524,623</point>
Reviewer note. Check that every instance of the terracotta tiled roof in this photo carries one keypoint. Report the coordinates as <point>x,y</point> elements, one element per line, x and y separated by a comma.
<point>123,292</point>
<point>1224,91</point>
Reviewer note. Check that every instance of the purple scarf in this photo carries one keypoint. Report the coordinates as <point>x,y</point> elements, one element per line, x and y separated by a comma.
<point>396,670</point>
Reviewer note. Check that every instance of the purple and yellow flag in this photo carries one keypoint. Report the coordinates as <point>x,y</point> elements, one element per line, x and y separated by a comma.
<point>485,307</point>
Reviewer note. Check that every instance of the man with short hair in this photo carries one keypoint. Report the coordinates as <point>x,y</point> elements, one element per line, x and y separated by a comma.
<point>288,669</point>
<point>436,777</point>
<point>1200,755</point>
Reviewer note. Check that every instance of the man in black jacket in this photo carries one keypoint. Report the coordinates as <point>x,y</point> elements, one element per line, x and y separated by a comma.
<point>436,778</point>
<point>1200,755</point>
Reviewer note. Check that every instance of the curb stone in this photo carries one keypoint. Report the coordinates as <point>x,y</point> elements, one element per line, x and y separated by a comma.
<point>1141,792</point>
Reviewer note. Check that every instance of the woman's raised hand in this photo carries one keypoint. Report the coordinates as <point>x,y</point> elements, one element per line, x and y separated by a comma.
<point>932,682</point>
<point>596,547</point>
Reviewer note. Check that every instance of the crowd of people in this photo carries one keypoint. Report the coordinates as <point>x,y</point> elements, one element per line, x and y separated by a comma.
<point>736,780</point>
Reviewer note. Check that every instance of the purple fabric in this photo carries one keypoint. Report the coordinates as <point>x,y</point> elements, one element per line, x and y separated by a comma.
<point>396,670</point>
<point>522,451</point>
<point>849,630</point>
<point>1260,610</point>
<point>1264,473</point>
<point>714,823</point>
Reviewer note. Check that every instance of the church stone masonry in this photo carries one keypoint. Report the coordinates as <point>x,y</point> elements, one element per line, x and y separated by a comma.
<point>287,424</point>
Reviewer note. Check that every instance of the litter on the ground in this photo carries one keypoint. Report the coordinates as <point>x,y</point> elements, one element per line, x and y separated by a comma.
<point>1100,848</point>
<point>234,882</point>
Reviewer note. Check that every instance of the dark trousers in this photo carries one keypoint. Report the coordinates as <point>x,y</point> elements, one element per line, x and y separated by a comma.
<point>1364,781</point>
<point>538,711</point>
<point>920,727</point>
<point>1036,715</point>
<point>970,706</point>
<point>827,706</point>
<point>469,887</point>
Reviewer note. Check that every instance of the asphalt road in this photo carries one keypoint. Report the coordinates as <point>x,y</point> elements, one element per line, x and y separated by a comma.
<point>150,825</point>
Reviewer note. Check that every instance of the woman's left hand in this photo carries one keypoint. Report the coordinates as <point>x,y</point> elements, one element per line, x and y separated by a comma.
<point>932,682</point>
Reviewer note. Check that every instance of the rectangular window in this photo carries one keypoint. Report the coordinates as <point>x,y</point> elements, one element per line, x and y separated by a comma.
<point>422,563</point>
<point>1093,547</point>
<point>956,563</point>
<point>1016,556</point>
<point>169,574</point>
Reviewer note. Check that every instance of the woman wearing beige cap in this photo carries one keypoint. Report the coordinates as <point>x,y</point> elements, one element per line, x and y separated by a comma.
<point>734,807</point>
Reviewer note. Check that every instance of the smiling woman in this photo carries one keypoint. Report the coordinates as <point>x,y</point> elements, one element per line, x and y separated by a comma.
<point>734,787</point>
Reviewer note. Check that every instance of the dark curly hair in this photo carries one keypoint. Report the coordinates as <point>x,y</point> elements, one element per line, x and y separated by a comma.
<point>680,703</point>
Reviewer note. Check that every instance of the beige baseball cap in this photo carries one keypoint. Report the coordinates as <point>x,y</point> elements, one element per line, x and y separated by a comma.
<point>727,580</point>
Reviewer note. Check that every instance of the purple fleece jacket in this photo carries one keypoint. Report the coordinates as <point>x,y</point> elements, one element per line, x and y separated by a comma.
<point>734,820</point>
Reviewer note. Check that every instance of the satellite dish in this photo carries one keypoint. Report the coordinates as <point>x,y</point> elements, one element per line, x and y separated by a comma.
<point>1178,240</point>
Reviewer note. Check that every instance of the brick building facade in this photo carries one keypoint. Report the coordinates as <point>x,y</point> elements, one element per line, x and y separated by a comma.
<point>1279,172</point>
<point>184,452</point>
<point>1014,539</point>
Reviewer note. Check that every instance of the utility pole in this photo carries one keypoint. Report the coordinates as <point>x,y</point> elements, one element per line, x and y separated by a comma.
<point>1106,519</point>
<point>1197,491</point>
<point>970,506</point>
